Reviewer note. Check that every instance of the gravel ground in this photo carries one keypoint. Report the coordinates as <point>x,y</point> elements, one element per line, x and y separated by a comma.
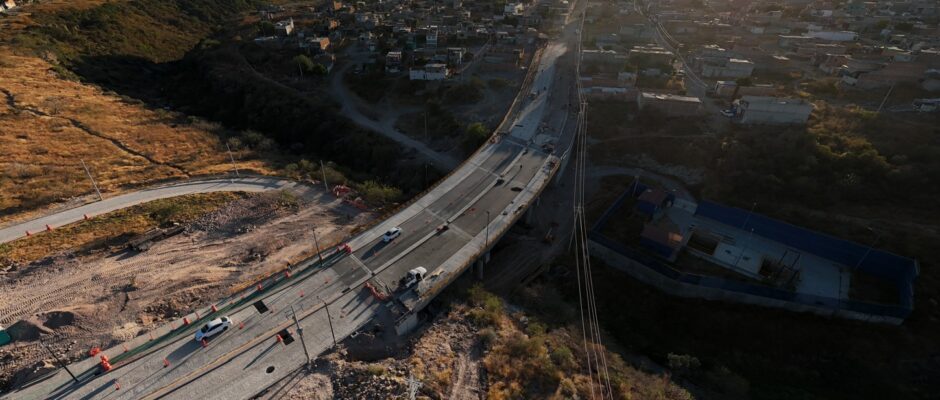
<point>73,303</point>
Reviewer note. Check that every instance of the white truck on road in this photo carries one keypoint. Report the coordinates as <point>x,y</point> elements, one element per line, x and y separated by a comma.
<point>412,278</point>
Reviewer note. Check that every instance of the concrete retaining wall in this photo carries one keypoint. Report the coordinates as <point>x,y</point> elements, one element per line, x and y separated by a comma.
<point>676,288</point>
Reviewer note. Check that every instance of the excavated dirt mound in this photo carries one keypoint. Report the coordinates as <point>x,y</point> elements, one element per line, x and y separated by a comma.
<point>244,215</point>
<point>58,319</point>
<point>375,382</point>
<point>28,329</point>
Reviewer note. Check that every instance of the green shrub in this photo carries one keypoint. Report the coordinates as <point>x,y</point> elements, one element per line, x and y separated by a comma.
<point>682,363</point>
<point>487,335</point>
<point>727,382</point>
<point>564,358</point>
<point>488,307</point>
<point>475,135</point>
<point>377,193</point>
<point>375,370</point>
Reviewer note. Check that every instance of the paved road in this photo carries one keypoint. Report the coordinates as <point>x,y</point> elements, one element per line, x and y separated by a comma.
<point>244,184</point>
<point>479,202</point>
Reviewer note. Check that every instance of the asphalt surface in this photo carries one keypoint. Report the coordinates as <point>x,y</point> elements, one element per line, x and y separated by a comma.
<point>243,184</point>
<point>479,202</point>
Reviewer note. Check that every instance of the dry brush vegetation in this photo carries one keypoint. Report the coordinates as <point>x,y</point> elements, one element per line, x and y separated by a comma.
<point>522,357</point>
<point>49,125</point>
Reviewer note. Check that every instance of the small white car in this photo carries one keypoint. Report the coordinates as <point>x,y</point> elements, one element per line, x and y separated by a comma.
<point>391,234</point>
<point>213,328</point>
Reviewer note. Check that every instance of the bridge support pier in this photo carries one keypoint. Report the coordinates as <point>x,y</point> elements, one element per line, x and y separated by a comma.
<point>478,265</point>
<point>562,168</point>
<point>530,212</point>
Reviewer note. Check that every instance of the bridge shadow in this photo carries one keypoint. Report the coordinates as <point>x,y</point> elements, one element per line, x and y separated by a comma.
<point>183,351</point>
<point>375,249</point>
<point>263,353</point>
<point>96,392</point>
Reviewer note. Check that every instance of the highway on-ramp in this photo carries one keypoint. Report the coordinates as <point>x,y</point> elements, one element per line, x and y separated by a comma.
<point>478,203</point>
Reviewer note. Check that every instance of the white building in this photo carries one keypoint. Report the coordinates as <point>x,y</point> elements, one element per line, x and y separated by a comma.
<point>772,110</point>
<point>513,9</point>
<point>431,37</point>
<point>284,28</point>
<point>429,72</point>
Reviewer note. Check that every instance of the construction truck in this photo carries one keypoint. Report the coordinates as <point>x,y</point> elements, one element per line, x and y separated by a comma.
<point>412,278</point>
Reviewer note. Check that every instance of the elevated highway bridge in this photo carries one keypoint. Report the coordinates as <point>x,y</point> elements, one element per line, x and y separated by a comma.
<point>326,299</point>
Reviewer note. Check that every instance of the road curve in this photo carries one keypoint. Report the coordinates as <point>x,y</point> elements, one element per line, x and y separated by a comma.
<point>351,111</point>
<point>242,184</point>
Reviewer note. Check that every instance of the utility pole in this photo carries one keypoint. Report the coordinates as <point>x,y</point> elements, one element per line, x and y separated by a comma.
<point>487,242</point>
<point>744,226</point>
<point>413,386</point>
<point>323,171</point>
<point>317,243</point>
<point>300,331</point>
<point>61,364</point>
<point>877,237</point>
<point>330,319</point>
<point>231,158</point>
<point>884,100</point>
<point>93,183</point>
<point>425,127</point>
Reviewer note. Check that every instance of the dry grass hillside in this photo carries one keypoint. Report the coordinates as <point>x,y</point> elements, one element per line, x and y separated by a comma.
<point>48,125</point>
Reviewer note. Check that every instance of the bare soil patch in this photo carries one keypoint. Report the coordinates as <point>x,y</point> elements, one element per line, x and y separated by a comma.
<point>74,302</point>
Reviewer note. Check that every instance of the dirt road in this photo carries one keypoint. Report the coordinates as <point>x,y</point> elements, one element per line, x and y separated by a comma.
<point>387,129</point>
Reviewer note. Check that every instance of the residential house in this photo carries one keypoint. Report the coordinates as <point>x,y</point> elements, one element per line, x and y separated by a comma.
<point>603,60</point>
<point>670,104</point>
<point>393,62</point>
<point>834,36</point>
<point>284,28</point>
<point>893,73</point>
<point>429,72</point>
<point>316,45</point>
<point>727,89</point>
<point>513,9</point>
<point>731,68</point>
<point>772,110</point>
<point>455,55</point>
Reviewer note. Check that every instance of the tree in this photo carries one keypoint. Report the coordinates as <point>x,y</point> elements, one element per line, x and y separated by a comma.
<point>304,63</point>
<point>474,136</point>
<point>318,70</point>
<point>267,27</point>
